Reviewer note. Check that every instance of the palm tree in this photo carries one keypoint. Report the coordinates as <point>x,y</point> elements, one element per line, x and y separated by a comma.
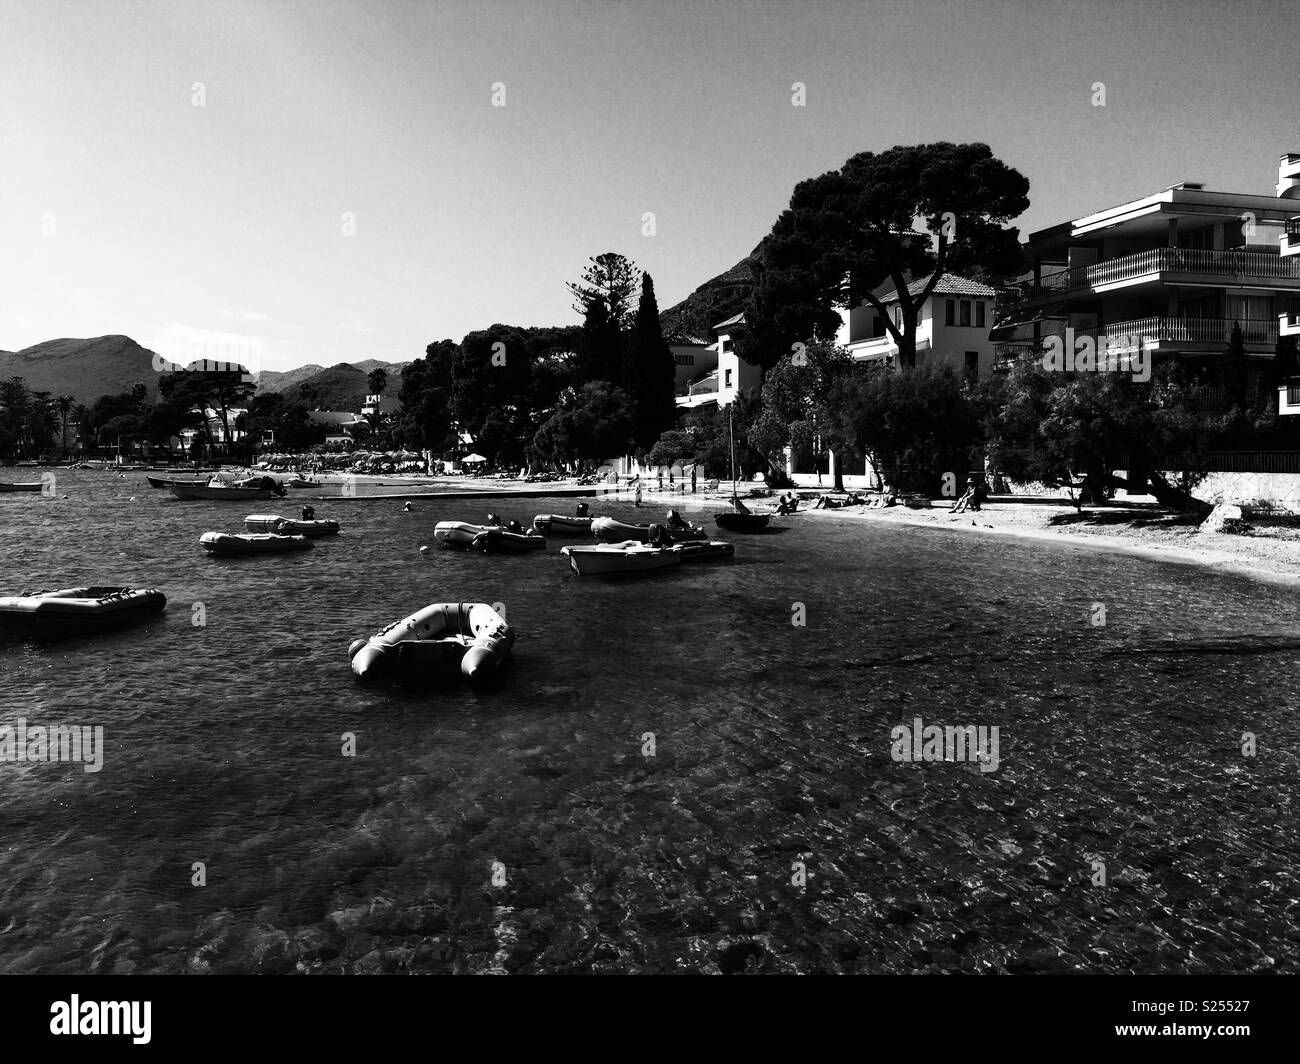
<point>64,404</point>
<point>377,379</point>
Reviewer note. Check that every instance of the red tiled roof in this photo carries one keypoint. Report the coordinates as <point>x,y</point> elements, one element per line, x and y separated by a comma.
<point>949,285</point>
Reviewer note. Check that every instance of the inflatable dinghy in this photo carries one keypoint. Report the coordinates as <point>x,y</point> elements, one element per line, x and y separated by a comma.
<point>79,609</point>
<point>290,526</point>
<point>458,533</point>
<point>468,637</point>
<point>222,543</point>
<point>562,525</point>
<point>609,530</point>
<point>501,539</point>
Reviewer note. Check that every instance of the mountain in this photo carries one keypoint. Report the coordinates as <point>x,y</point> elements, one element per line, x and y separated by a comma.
<point>344,387</point>
<point>270,380</point>
<point>715,300</point>
<point>84,368</point>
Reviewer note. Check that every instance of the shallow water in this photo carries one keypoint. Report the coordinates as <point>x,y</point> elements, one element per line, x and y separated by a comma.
<point>523,829</point>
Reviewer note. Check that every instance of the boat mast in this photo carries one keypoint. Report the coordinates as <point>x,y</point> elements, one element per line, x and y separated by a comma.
<point>731,435</point>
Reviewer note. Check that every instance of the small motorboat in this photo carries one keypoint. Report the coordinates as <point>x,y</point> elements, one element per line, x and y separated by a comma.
<point>225,492</point>
<point>562,525</point>
<point>76,610</point>
<point>609,530</point>
<point>290,526</point>
<point>620,559</point>
<point>25,485</point>
<point>739,521</point>
<point>166,482</point>
<point>496,539</point>
<point>297,483</point>
<point>469,638</point>
<point>240,545</point>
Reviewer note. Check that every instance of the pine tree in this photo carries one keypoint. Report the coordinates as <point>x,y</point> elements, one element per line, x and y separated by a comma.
<point>601,356</point>
<point>649,374</point>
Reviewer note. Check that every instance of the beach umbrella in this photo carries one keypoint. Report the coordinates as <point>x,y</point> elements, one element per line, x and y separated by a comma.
<point>473,458</point>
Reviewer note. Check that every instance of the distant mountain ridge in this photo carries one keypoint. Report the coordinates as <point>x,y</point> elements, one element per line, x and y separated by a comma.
<point>89,368</point>
<point>717,299</point>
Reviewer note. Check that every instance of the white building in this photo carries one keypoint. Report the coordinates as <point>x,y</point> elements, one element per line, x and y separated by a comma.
<point>952,328</point>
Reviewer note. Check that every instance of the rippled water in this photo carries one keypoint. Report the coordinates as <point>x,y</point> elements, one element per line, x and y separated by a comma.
<point>1120,745</point>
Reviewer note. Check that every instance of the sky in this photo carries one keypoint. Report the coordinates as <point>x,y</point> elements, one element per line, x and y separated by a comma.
<point>320,182</point>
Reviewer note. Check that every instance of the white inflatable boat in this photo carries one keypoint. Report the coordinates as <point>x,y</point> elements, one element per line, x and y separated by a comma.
<point>290,526</point>
<point>223,543</point>
<point>469,637</point>
<point>79,609</point>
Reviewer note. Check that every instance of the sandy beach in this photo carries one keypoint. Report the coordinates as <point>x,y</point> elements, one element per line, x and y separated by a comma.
<point>1271,552</point>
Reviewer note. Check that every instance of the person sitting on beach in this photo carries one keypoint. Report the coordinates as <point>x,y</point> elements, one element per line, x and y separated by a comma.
<point>675,520</point>
<point>981,494</point>
<point>788,504</point>
<point>825,502</point>
<point>968,499</point>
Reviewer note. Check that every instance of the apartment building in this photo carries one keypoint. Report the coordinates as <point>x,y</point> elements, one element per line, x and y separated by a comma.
<point>1176,269</point>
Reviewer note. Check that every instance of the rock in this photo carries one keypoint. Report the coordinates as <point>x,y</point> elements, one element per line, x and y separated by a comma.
<point>1227,518</point>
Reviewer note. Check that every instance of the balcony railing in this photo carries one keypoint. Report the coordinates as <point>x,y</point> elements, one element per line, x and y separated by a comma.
<point>1195,330</point>
<point>1240,265</point>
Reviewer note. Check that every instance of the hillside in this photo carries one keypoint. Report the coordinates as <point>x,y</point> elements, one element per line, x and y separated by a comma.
<point>715,300</point>
<point>344,387</point>
<point>83,368</point>
<point>270,380</point>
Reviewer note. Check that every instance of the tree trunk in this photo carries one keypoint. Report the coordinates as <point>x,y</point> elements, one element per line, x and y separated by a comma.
<point>1168,495</point>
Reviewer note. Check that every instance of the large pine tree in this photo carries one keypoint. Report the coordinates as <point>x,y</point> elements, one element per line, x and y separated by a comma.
<point>649,374</point>
<point>601,354</point>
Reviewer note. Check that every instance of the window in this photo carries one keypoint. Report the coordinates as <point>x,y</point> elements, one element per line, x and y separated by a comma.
<point>877,326</point>
<point>1293,394</point>
<point>979,314</point>
<point>684,360</point>
<point>972,364</point>
<point>898,316</point>
<point>950,312</point>
<point>965,312</point>
<point>726,380</point>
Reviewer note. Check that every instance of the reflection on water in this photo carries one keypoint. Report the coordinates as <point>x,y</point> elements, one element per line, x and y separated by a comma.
<point>525,830</point>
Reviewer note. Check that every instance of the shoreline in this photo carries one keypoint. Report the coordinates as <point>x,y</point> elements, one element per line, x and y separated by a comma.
<point>1264,558</point>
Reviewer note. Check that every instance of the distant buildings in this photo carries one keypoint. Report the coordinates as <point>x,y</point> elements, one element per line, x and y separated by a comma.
<point>724,373</point>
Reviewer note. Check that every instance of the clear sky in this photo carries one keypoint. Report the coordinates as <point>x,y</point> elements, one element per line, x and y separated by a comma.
<point>125,208</point>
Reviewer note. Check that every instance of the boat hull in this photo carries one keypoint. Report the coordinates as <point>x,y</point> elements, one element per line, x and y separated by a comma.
<point>627,559</point>
<point>246,545</point>
<point>738,522</point>
<point>29,485</point>
<point>207,491</point>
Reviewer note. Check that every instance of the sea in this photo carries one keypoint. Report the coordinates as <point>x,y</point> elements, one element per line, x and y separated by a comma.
<point>727,767</point>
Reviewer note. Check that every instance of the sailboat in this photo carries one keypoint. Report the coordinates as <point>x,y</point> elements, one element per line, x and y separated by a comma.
<point>738,519</point>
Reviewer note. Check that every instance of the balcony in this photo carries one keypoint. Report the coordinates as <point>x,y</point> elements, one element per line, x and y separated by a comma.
<point>1241,267</point>
<point>1191,330</point>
